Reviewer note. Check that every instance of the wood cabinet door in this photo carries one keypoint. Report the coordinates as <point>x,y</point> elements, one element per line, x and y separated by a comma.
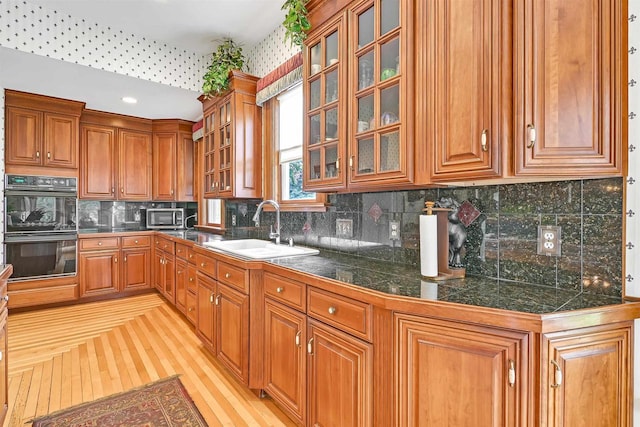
<point>60,140</point>
<point>136,269</point>
<point>24,136</point>
<point>158,270</point>
<point>185,177</point>
<point>169,289</point>
<point>285,358</point>
<point>98,162</point>
<point>586,377</point>
<point>182,278</point>
<point>164,165</point>
<point>98,273</point>
<point>339,378</point>
<point>134,177</point>
<point>205,308</point>
<point>450,374</point>
<point>570,79</point>
<point>463,79</point>
<point>232,331</point>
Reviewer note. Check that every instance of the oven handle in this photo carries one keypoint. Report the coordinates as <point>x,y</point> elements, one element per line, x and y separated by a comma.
<point>40,238</point>
<point>40,193</point>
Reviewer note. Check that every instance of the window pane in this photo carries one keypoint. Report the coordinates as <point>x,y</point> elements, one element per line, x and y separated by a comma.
<point>214,211</point>
<point>291,112</point>
<point>292,182</point>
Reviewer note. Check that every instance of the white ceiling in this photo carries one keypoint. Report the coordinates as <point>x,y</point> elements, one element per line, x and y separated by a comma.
<point>192,25</point>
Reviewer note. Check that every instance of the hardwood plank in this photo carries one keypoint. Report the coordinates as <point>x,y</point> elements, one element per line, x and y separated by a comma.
<point>69,355</point>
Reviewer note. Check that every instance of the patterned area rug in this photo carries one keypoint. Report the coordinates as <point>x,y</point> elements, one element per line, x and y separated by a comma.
<point>162,403</point>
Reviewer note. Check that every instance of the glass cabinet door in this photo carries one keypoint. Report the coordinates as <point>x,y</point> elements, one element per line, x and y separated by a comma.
<point>326,121</point>
<point>378,142</point>
<point>224,138</point>
<point>210,129</point>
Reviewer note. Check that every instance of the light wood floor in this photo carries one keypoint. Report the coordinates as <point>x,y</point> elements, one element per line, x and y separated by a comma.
<point>65,356</point>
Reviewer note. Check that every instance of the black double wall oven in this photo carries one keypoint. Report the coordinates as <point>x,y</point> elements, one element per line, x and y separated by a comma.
<point>40,229</point>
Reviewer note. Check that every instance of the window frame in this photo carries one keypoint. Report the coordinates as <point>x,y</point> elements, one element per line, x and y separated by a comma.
<point>272,167</point>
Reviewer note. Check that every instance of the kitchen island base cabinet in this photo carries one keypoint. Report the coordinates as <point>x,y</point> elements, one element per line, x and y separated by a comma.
<point>450,374</point>
<point>339,378</point>
<point>586,377</point>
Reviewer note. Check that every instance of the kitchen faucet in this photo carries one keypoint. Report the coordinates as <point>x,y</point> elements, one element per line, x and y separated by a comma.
<point>256,218</point>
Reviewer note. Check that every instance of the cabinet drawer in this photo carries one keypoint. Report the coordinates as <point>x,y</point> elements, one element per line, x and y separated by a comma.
<point>233,276</point>
<point>136,241</point>
<point>344,313</point>
<point>286,291</point>
<point>99,243</point>
<point>206,265</point>
<point>191,308</point>
<point>182,251</point>
<point>165,244</point>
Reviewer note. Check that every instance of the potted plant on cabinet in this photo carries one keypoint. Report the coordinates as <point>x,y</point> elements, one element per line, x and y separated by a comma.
<point>227,57</point>
<point>295,22</point>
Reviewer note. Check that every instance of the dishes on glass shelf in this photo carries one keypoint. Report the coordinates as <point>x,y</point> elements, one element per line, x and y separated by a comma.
<point>315,68</point>
<point>388,118</point>
<point>387,73</point>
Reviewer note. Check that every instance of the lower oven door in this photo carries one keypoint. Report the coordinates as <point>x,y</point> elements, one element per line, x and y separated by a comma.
<point>38,256</point>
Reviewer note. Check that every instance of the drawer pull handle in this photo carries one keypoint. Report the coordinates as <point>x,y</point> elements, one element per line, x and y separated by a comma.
<point>125,258</point>
<point>37,154</point>
<point>218,300</point>
<point>202,264</point>
<point>227,275</point>
<point>298,338</point>
<point>531,130</point>
<point>310,346</point>
<point>190,309</point>
<point>279,289</point>
<point>190,256</point>
<point>332,310</point>
<point>115,260</point>
<point>483,140</point>
<point>512,373</point>
<point>191,279</point>
<point>211,298</point>
<point>136,242</point>
<point>1,355</point>
<point>48,154</point>
<point>558,374</point>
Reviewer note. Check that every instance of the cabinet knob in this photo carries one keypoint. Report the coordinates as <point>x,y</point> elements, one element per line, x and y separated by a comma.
<point>191,279</point>
<point>332,310</point>
<point>37,154</point>
<point>99,243</point>
<point>227,275</point>
<point>115,259</point>
<point>190,309</point>
<point>483,140</point>
<point>190,256</point>
<point>172,192</point>
<point>122,190</point>
<point>136,242</point>
<point>531,130</point>
<point>279,289</point>
<point>113,190</point>
<point>202,264</point>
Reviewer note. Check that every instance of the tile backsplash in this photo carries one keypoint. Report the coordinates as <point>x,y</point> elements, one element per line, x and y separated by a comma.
<point>96,215</point>
<point>501,242</point>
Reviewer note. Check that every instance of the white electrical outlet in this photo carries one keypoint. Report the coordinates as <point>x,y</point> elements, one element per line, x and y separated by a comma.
<point>394,230</point>
<point>549,240</point>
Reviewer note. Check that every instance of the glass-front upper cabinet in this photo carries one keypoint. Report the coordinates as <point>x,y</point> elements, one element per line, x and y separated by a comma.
<point>209,152</point>
<point>378,97</point>
<point>224,147</point>
<point>325,93</point>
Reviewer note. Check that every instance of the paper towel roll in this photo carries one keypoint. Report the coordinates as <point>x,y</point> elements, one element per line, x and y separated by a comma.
<point>429,245</point>
<point>428,290</point>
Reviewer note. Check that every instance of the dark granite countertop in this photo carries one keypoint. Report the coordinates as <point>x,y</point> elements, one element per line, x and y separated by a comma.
<point>403,280</point>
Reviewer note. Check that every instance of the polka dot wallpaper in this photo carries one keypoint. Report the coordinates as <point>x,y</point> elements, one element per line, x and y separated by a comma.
<point>267,55</point>
<point>43,31</point>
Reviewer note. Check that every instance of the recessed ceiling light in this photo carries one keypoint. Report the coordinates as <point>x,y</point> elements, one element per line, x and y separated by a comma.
<point>129,99</point>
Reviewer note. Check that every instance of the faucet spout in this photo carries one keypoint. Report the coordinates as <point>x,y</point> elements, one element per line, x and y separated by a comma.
<point>273,234</point>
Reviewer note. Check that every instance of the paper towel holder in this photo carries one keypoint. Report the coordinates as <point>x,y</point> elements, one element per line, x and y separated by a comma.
<point>445,272</point>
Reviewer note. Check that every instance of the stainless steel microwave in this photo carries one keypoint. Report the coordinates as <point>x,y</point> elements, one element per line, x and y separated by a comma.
<point>165,218</point>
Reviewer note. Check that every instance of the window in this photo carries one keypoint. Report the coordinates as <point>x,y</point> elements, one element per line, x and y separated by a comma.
<point>284,115</point>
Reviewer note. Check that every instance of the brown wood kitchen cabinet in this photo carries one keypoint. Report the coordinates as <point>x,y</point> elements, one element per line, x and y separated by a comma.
<point>164,268</point>
<point>570,87</point>
<point>232,141</point>
<point>186,289</point>
<point>173,160</point>
<point>586,376</point>
<point>114,264</point>
<point>41,132</point>
<point>467,63</point>
<point>359,107</point>
<point>115,154</point>
<point>449,373</point>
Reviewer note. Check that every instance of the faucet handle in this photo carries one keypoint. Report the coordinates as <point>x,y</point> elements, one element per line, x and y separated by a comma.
<point>290,241</point>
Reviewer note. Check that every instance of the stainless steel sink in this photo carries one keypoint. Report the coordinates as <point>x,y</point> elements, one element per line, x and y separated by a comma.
<point>260,249</point>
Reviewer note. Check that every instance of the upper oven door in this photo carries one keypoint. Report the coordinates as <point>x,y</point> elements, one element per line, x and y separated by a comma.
<point>33,211</point>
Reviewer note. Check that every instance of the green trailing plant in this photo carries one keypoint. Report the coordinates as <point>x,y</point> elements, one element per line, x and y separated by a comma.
<point>295,22</point>
<point>227,57</point>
